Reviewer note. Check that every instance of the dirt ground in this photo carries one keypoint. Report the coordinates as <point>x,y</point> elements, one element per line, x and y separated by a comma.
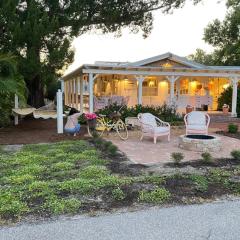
<point>35,131</point>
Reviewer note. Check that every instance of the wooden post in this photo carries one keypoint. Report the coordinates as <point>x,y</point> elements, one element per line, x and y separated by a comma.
<point>59,112</point>
<point>16,105</point>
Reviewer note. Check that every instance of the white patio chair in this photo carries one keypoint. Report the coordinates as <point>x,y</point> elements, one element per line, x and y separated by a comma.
<point>197,123</point>
<point>152,126</point>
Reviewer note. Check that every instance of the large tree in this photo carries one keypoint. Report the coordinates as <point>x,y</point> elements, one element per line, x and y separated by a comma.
<point>11,83</point>
<point>224,36</point>
<point>40,31</point>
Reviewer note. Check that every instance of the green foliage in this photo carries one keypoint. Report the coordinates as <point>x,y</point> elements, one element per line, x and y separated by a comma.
<point>40,32</point>
<point>201,182</point>
<point>93,172</point>
<point>207,157</point>
<point>200,56</point>
<point>177,157</point>
<point>11,83</point>
<point>62,206</point>
<point>164,112</point>
<point>118,194</point>
<point>232,128</point>
<point>236,154</point>
<point>223,36</point>
<point>61,166</point>
<point>159,195</point>
<point>11,206</point>
<point>105,146</point>
<point>220,176</point>
<point>82,119</point>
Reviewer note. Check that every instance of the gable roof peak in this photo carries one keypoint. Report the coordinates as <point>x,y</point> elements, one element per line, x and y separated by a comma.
<point>171,56</point>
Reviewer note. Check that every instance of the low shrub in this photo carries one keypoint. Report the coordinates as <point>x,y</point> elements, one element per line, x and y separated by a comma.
<point>236,154</point>
<point>118,194</point>
<point>159,195</point>
<point>232,128</point>
<point>62,206</point>
<point>11,206</point>
<point>201,182</point>
<point>164,111</point>
<point>177,157</point>
<point>207,157</point>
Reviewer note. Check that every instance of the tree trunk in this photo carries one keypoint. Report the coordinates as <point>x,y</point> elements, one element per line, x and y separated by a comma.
<point>36,92</point>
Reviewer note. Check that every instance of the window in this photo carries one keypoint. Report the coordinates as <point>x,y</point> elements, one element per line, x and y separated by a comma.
<point>184,83</point>
<point>150,87</point>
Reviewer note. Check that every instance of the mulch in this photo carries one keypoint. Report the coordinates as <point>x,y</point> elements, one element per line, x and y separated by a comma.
<point>32,131</point>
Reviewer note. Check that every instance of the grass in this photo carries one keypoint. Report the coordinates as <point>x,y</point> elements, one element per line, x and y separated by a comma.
<point>159,195</point>
<point>51,178</point>
<point>72,177</point>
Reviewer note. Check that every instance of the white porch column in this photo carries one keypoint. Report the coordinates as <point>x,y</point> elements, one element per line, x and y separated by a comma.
<point>140,80</point>
<point>172,80</point>
<point>234,82</point>
<point>91,92</point>
<point>81,94</point>
<point>77,93</point>
<point>59,112</point>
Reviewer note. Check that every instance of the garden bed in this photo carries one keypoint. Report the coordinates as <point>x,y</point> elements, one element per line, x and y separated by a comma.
<point>74,177</point>
<point>232,135</point>
<point>31,131</point>
<point>222,162</point>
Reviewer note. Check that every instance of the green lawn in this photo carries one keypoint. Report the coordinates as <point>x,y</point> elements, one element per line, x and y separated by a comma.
<point>73,177</point>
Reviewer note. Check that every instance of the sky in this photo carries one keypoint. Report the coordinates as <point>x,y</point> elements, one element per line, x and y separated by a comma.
<point>180,33</point>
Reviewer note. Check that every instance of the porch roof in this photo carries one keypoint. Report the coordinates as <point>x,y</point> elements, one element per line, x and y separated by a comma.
<point>207,71</point>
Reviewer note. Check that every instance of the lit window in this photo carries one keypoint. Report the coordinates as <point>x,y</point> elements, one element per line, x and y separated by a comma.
<point>150,87</point>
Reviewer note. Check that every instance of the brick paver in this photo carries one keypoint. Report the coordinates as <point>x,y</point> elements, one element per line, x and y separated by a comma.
<point>145,152</point>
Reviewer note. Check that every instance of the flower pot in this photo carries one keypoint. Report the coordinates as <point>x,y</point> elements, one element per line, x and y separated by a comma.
<point>189,109</point>
<point>225,110</point>
<point>92,123</point>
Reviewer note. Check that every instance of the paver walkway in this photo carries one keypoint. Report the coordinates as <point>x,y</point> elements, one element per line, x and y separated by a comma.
<point>215,221</point>
<point>145,152</point>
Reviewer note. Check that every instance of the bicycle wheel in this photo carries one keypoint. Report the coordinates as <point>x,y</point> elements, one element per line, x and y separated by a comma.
<point>98,130</point>
<point>121,129</point>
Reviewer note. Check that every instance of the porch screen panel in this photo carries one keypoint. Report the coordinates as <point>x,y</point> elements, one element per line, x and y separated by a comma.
<point>150,88</point>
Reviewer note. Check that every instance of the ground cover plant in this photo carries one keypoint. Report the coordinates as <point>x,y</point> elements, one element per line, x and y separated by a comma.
<point>75,177</point>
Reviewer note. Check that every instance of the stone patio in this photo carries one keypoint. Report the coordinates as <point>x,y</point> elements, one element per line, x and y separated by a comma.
<point>147,153</point>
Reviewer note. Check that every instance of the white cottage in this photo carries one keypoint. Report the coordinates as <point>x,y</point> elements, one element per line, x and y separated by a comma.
<point>152,81</point>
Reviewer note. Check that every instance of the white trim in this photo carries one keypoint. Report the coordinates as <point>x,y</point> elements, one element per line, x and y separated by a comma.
<point>163,73</point>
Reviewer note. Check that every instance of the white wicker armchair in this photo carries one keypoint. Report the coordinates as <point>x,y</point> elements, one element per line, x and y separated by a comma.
<point>152,126</point>
<point>197,123</point>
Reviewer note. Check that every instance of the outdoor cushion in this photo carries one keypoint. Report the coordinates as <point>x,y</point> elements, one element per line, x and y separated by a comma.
<point>196,118</point>
<point>148,118</point>
<point>197,127</point>
<point>161,129</point>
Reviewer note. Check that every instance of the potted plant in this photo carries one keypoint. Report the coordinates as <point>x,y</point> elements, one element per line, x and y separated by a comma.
<point>91,119</point>
<point>225,108</point>
<point>189,109</point>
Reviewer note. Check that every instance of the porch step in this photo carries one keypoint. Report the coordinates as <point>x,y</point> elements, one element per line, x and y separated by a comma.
<point>220,118</point>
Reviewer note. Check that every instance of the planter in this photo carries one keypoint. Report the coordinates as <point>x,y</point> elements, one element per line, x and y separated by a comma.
<point>189,109</point>
<point>92,123</point>
<point>225,110</point>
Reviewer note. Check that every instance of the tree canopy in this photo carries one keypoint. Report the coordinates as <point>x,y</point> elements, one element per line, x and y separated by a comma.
<point>11,83</point>
<point>40,32</point>
<point>224,36</point>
